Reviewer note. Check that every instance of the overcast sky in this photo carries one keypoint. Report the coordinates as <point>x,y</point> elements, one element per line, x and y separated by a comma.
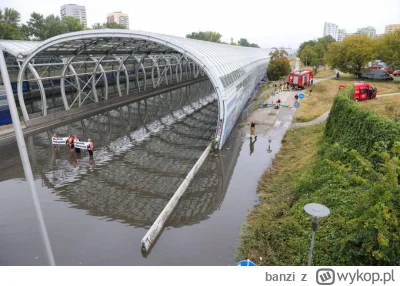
<point>284,23</point>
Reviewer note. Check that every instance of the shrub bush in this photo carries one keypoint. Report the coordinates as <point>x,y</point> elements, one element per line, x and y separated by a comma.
<point>357,127</point>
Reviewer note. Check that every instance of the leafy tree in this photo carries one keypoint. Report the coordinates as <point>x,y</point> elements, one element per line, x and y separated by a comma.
<point>42,28</point>
<point>10,28</point>
<point>97,26</point>
<point>353,54</point>
<point>243,42</point>
<point>325,41</point>
<point>36,26</point>
<point>113,25</point>
<point>319,48</point>
<point>308,56</point>
<point>276,54</point>
<point>208,36</point>
<point>389,49</point>
<point>279,64</point>
<point>73,24</point>
<point>232,42</point>
<point>108,25</point>
<point>311,43</point>
<point>54,26</point>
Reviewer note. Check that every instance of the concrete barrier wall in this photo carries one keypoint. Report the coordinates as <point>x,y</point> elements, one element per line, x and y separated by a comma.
<point>156,229</point>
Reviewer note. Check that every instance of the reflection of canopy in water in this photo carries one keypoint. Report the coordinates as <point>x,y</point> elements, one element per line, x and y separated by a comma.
<point>136,190</point>
<point>67,173</point>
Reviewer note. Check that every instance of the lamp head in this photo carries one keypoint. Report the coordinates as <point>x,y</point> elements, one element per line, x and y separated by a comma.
<point>316,210</point>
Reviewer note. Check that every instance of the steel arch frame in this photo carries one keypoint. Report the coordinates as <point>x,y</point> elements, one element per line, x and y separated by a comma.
<point>213,60</point>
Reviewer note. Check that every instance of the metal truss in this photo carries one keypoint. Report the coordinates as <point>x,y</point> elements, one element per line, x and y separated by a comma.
<point>74,69</point>
<point>83,79</point>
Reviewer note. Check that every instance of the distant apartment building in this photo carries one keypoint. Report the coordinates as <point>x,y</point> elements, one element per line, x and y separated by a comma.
<point>369,31</point>
<point>332,30</point>
<point>391,28</point>
<point>76,11</point>
<point>120,18</point>
<point>341,35</point>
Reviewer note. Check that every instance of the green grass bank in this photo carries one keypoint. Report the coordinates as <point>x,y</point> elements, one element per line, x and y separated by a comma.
<point>352,166</point>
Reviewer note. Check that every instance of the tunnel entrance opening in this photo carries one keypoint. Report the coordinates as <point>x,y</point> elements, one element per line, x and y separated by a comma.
<point>71,70</point>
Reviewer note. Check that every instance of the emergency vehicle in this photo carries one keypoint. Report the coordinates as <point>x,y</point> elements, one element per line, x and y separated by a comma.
<point>362,91</point>
<point>301,79</point>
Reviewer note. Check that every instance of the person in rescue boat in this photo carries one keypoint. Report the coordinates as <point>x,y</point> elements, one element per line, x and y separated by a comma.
<point>70,141</point>
<point>90,147</point>
<point>76,139</point>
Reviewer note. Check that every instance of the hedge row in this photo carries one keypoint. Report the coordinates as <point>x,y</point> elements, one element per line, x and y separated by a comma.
<point>358,127</point>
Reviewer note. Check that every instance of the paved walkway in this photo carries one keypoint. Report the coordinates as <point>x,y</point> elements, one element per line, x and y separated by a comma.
<point>324,116</point>
<point>265,118</point>
<point>318,120</point>
<point>389,94</point>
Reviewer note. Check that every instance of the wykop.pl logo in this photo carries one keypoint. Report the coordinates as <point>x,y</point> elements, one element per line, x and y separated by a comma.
<point>325,276</point>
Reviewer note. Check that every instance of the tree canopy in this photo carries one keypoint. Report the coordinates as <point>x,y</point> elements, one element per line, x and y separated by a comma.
<point>39,27</point>
<point>245,43</point>
<point>208,36</point>
<point>389,49</point>
<point>353,54</point>
<point>312,53</point>
<point>108,25</point>
<point>279,65</point>
<point>276,54</point>
<point>309,56</point>
<point>10,27</point>
<point>215,37</point>
<point>42,28</point>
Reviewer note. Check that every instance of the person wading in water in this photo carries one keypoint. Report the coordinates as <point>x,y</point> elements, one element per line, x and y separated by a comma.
<point>76,139</point>
<point>55,136</point>
<point>253,130</point>
<point>90,148</point>
<point>70,142</point>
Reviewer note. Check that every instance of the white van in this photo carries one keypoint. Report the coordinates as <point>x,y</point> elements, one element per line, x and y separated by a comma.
<point>377,75</point>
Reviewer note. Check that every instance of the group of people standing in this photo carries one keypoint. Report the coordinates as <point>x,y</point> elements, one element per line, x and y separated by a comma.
<point>71,142</point>
<point>279,87</point>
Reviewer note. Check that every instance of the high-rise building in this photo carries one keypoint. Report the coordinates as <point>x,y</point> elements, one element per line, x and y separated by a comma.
<point>342,34</point>
<point>120,18</point>
<point>76,11</point>
<point>391,28</point>
<point>369,31</point>
<point>332,30</point>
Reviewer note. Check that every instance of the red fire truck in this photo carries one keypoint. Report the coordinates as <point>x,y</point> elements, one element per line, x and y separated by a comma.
<point>301,79</point>
<point>362,91</point>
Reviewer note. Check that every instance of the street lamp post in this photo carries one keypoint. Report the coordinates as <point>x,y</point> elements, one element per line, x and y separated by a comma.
<point>24,158</point>
<point>317,211</point>
<point>269,150</point>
